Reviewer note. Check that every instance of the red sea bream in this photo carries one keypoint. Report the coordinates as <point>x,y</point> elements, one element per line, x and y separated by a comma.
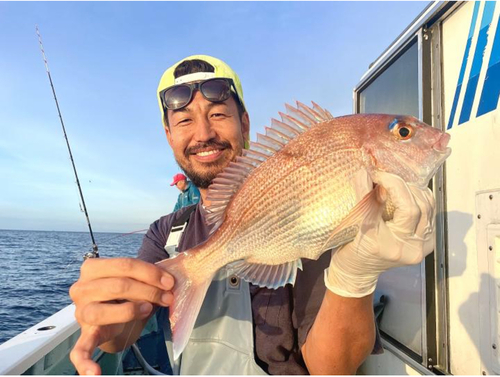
<point>300,190</point>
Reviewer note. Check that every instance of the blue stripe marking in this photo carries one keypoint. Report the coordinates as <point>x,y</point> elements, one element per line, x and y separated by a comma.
<point>393,124</point>
<point>464,65</point>
<point>477,63</point>
<point>491,88</point>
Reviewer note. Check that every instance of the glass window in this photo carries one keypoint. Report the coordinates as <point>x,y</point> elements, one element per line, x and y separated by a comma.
<point>396,91</point>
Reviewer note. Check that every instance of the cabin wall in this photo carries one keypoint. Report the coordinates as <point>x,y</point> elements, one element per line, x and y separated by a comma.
<point>387,364</point>
<point>462,311</point>
<point>474,166</point>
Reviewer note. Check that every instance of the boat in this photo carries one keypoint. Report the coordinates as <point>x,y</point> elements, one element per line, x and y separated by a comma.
<point>44,349</point>
<point>439,317</point>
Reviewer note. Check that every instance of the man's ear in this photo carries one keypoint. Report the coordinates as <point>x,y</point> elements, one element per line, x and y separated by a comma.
<point>245,128</point>
<point>169,135</point>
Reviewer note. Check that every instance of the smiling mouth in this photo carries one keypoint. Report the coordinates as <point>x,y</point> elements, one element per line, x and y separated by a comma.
<point>207,153</point>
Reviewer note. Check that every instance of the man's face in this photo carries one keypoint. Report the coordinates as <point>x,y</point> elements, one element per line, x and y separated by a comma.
<point>181,185</point>
<point>205,136</point>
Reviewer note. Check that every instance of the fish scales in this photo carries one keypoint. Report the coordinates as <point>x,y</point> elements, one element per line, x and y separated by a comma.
<point>282,202</point>
<point>312,194</point>
<point>255,223</point>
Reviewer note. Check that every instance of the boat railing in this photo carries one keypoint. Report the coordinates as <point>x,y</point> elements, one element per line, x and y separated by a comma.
<point>19,354</point>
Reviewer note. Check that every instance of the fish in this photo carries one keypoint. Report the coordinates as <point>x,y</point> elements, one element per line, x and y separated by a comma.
<point>299,190</point>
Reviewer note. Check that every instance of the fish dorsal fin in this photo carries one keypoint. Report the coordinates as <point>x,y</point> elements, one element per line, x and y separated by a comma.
<point>227,183</point>
<point>223,188</point>
<point>265,275</point>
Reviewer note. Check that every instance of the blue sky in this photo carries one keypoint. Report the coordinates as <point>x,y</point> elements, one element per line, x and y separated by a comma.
<point>106,59</point>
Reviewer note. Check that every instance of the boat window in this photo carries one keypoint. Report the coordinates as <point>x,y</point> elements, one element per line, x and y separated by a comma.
<point>396,91</point>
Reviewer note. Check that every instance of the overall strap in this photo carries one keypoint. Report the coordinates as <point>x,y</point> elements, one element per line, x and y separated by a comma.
<point>221,342</point>
<point>178,227</point>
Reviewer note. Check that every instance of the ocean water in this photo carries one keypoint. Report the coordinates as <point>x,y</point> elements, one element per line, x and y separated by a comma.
<point>37,268</point>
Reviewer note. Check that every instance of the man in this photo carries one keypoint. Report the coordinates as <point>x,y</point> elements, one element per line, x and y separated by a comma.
<point>189,193</point>
<point>244,329</point>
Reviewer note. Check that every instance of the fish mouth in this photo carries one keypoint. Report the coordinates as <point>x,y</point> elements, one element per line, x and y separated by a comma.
<point>441,153</point>
<point>427,173</point>
<point>441,144</point>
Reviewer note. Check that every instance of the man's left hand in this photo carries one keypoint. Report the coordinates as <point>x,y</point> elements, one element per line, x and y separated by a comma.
<point>406,239</point>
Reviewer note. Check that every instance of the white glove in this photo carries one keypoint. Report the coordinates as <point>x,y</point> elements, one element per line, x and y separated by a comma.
<point>406,239</point>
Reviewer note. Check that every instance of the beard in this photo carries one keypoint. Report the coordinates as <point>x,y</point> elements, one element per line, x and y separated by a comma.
<point>202,178</point>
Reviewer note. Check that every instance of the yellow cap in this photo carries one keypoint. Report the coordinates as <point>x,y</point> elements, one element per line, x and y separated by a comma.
<point>221,70</point>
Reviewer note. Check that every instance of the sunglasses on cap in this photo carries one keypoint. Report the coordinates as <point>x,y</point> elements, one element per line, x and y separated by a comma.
<point>214,90</point>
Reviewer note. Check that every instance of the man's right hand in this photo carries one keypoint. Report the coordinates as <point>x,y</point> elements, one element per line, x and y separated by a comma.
<point>114,299</point>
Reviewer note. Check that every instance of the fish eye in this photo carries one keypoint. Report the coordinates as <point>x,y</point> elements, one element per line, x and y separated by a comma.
<point>403,131</point>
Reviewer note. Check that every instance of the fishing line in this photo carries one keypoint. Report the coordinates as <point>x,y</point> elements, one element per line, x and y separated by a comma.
<point>103,245</point>
<point>123,353</point>
<point>106,240</point>
<point>95,252</point>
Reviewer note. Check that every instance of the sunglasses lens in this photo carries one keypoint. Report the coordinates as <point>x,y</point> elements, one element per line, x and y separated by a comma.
<point>177,97</point>
<point>216,90</point>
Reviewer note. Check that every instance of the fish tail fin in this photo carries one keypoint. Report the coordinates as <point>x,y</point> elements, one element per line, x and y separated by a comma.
<point>189,294</point>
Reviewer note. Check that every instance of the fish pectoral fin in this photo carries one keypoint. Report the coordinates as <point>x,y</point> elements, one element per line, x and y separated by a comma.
<point>265,275</point>
<point>365,214</point>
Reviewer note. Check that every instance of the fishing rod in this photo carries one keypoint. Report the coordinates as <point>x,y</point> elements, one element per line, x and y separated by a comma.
<point>95,252</point>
